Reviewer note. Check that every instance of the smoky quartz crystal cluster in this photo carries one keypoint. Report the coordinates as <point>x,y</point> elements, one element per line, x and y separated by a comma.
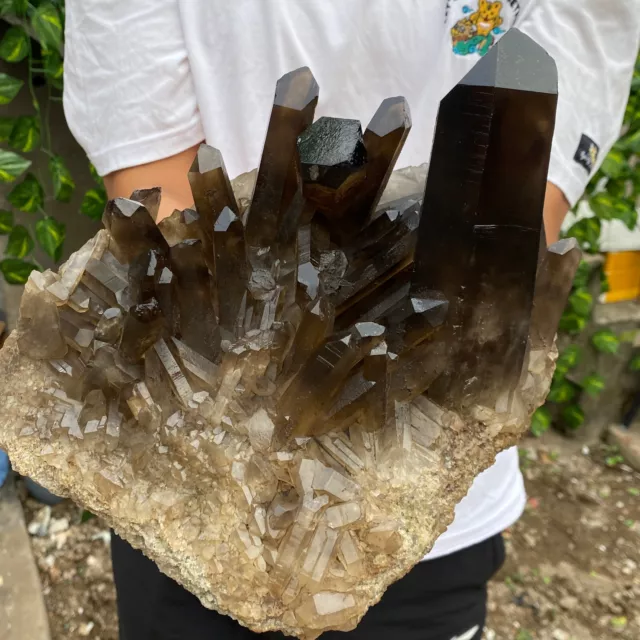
<point>281,398</point>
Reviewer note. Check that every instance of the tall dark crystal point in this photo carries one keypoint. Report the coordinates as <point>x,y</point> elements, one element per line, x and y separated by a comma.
<point>181,226</point>
<point>277,198</point>
<point>384,138</point>
<point>132,228</point>
<point>211,188</point>
<point>321,378</point>
<point>555,277</point>
<point>231,270</point>
<point>149,199</point>
<point>195,299</point>
<point>482,215</point>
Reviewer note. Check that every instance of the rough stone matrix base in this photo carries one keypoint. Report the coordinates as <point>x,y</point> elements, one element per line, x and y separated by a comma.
<point>185,526</point>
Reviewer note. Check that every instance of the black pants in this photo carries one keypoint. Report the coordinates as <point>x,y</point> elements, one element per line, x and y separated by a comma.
<point>443,599</point>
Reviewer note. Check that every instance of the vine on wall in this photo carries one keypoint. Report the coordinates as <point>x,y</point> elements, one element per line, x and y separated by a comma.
<point>35,38</point>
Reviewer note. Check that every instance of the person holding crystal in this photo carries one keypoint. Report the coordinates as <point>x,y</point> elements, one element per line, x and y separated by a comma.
<point>146,82</point>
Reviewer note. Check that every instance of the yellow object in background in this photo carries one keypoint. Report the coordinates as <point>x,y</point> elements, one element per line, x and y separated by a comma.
<point>623,273</point>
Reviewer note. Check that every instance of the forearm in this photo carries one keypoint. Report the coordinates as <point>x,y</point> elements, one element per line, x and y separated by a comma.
<point>170,174</point>
<point>556,208</point>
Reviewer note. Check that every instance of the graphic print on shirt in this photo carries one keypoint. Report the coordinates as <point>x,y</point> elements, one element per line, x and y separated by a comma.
<point>587,153</point>
<point>476,24</point>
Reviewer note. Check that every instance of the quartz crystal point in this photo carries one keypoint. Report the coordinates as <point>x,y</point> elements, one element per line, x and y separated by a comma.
<point>277,200</point>
<point>555,275</point>
<point>231,270</point>
<point>383,140</point>
<point>132,229</point>
<point>211,189</point>
<point>283,414</point>
<point>482,215</point>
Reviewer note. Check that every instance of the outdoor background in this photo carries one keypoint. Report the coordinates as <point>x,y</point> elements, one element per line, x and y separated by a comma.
<point>572,566</point>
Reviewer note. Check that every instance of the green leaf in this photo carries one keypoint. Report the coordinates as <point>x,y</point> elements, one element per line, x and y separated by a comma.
<point>604,282</point>
<point>12,165</point>
<point>629,217</point>
<point>6,127</point>
<point>607,206</point>
<point>569,359</point>
<point>6,222</point>
<point>50,235</point>
<point>593,385</point>
<point>615,164</point>
<point>583,272</point>
<point>94,174</point>
<point>20,243</point>
<point>16,7</point>
<point>16,271</point>
<point>93,203</point>
<point>63,184</point>
<point>587,233</point>
<point>53,67</point>
<point>561,391</point>
<point>581,302</point>
<point>28,195</point>
<point>605,341</point>
<point>14,47</point>
<point>572,323</point>
<point>540,421</point>
<point>634,364</point>
<point>25,135</point>
<point>573,416</point>
<point>631,142</point>
<point>46,22</point>
<point>9,88</point>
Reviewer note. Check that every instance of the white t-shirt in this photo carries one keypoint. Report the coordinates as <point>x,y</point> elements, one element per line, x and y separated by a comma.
<point>146,79</point>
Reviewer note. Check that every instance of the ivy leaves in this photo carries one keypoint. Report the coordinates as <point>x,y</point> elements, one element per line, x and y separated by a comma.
<point>9,88</point>
<point>47,26</point>
<point>12,165</point>
<point>16,271</point>
<point>14,46</point>
<point>27,196</point>
<point>606,341</point>
<point>30,133</point>
<point>6,222</point>
<point>20,243</point>
<point>63,184</point>
<point>50,235</point>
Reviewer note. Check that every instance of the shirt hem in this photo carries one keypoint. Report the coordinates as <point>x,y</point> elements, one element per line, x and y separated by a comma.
<point>139,152</point>
<point>572,186</point>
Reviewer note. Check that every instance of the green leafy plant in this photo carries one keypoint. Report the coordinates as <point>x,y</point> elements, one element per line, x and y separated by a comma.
<point>612,194</point>
<point>35,37</point>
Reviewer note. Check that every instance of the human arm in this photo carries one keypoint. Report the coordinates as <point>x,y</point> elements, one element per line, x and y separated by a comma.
<point>170,174</point>
<point>132,108</point>
<point>595,45</point>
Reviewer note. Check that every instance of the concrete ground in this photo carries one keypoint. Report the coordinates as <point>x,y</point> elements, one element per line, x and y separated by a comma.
<point>22,612</point>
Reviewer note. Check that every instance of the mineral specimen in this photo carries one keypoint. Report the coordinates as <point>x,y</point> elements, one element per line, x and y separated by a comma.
<point>282,401</point>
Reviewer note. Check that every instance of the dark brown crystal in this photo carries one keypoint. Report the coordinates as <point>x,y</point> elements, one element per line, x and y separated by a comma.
<point>211,189</point>
<point>553,283</point>
<point>482,216</point>
<point>277,201</point>
<point>333,159</point>
<point>132,229</point>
